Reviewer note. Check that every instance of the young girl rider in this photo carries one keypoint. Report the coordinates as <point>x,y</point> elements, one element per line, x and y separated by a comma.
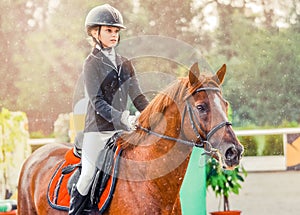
<point>109,80</point>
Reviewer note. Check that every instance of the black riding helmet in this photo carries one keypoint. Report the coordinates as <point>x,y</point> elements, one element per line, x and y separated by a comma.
<point>104,15</point>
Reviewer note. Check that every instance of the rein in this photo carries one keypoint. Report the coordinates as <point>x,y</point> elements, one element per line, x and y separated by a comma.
<point>201,142</point>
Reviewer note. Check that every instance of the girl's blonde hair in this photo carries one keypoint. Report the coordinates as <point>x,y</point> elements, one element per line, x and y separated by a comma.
<point>91,39</point>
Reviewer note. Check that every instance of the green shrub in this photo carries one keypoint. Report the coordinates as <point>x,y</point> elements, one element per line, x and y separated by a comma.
<point>287,124</point>
<point>14,148</point>
<point>37,134</point>
<point>273,145</point>
<point>250,145</point>
<point>224,182</point>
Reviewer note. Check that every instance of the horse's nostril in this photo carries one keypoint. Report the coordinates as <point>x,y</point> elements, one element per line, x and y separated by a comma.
<point>231,154</point>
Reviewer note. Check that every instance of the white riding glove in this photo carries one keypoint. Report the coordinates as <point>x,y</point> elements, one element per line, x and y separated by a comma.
<point>130,120</point>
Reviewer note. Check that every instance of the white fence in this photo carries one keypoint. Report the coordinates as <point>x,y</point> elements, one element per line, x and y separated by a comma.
<point>267,163</point>
<point>41,141</point>
<point>250,163</point>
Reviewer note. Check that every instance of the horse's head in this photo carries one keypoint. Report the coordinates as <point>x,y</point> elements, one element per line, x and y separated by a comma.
<point>206,113</point>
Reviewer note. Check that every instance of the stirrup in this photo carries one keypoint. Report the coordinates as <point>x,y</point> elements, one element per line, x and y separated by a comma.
<point>77,202</point>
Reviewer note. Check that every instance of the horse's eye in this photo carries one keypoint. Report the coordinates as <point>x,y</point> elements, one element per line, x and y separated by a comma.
<point>201,108</point>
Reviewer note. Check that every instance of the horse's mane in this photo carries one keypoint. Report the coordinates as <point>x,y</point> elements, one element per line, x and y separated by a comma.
<point>176,92</point>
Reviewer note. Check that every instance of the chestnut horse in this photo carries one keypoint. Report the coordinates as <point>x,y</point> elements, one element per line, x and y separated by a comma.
<point>189,113</point>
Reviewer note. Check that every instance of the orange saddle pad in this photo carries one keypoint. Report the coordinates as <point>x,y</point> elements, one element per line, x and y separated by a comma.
<point>58,195</point>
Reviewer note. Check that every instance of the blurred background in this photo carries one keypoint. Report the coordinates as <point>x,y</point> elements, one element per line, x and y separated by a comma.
<point>43,45</point>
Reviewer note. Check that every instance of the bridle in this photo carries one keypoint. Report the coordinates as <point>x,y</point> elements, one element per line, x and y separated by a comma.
<point>201,142</point>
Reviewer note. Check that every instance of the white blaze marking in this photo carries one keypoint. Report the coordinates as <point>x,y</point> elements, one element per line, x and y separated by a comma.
<point>219,107</point>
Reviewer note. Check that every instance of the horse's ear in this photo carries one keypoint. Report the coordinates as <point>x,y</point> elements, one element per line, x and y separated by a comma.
<point>194,74</point>
<point>219,77</point>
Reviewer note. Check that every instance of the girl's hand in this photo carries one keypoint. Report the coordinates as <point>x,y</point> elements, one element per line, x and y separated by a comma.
<point>127,120</point>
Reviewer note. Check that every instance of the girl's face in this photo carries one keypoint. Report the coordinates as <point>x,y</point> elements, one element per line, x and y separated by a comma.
<point>109,35</point>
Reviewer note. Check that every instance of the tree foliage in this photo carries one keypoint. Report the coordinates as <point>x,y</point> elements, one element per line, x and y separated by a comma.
<point>44,45</point>
<point>13,147</point>
<point>263,65</point>
<point>224,182</point>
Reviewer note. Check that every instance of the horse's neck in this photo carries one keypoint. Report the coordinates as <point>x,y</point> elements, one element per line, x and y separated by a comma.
<point>159,162</point>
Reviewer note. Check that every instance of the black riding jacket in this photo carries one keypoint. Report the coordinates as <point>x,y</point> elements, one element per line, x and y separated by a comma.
<point>108,89</point>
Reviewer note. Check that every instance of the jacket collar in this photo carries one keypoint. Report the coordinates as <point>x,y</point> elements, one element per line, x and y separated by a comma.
<point>100,55</point>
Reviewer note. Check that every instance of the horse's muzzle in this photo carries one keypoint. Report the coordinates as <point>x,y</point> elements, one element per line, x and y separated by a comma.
<point>233,155</point>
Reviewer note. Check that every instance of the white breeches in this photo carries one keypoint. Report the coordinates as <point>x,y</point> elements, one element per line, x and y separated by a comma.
<point>93,143</point>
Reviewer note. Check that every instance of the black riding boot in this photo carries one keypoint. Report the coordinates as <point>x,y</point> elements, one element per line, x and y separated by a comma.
<point>77,202</point>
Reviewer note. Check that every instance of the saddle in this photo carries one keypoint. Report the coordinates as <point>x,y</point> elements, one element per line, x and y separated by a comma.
<point>68,172</point>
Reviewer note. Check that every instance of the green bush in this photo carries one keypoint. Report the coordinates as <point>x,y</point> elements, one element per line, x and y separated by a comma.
<point>14,148</point>
<point>37,134</point>
<point>273,145</point>
<point>224,182</point>
<point>250,145</point>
